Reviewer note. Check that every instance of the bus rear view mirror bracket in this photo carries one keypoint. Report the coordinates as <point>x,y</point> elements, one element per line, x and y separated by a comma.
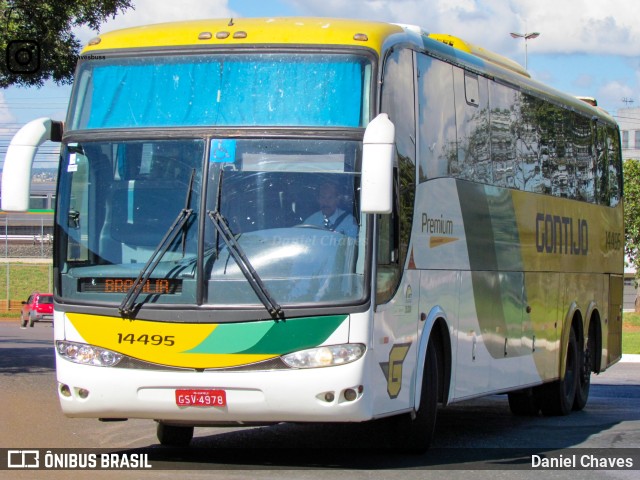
<point>16,175</point>
<point>378,155</point>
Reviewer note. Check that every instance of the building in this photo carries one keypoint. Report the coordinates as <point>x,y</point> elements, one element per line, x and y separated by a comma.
<point>629,121</point>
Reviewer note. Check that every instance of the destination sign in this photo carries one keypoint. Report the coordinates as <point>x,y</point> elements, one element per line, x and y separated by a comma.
<point>153,286</point>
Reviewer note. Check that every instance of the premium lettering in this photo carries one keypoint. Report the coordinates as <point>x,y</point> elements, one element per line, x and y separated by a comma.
<point>440,225</point>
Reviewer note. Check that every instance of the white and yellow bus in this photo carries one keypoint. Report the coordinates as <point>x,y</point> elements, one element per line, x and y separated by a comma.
<point>323,220</point>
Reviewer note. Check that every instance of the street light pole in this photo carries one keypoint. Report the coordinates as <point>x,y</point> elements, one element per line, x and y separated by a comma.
<point>527,37</point>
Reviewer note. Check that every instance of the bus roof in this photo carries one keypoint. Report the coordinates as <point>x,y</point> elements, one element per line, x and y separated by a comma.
<point>326,31</point>
<point>238,31</point>
<point>483,53</point>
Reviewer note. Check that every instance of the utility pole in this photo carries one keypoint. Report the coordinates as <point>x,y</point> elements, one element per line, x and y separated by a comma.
<point>527,37</point>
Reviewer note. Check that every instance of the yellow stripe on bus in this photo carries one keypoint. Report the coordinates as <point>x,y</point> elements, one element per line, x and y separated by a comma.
<point>221,32</point>
<point>162,343</point>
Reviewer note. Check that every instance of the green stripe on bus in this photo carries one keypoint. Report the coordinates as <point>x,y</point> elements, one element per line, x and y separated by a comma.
<point>496,264</point>
<point>269,337</point>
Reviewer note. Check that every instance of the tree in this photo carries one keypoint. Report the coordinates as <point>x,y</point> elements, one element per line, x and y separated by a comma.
<point>36,39</point>
<point>631,172</point>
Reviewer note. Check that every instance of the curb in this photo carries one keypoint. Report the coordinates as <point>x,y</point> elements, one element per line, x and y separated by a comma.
<point>630,358</point>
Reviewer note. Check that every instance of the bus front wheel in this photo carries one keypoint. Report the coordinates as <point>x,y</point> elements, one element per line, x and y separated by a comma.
<point>415,433</point>
<point>173,435</point>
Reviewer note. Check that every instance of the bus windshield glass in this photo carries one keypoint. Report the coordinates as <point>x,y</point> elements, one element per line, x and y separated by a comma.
<point>319,90</point>
<point>291,206</point>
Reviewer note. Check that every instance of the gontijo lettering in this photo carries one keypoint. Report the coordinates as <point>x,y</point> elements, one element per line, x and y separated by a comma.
<point>561,235</point>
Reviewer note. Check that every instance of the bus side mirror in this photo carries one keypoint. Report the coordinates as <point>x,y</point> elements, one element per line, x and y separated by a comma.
<point>16,173</point>
<point>378,155</point>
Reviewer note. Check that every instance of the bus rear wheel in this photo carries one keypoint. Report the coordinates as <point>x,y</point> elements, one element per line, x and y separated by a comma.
<point>585,367</point>
<point>557,398</point>
<point>173,435</point>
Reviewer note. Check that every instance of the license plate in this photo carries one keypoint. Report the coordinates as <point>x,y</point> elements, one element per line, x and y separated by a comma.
<point>201,398</point>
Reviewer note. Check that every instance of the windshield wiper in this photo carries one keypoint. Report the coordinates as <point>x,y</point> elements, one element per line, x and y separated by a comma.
<point>240,257</point>
<point>126,308</point>
<point>187,204</point>
<point>246,268</point>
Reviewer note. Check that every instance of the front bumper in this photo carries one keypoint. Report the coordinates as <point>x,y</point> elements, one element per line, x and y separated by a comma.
<point>304,395</point>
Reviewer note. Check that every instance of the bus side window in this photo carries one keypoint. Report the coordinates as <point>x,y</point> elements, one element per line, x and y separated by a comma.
<point>398,101</point>
<point>602,164</point>
<point>436,119</point>
<point>472,160</point>
<point>615,166</point>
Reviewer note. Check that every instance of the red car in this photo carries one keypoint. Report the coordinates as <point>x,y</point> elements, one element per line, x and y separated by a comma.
<point>38,308</point>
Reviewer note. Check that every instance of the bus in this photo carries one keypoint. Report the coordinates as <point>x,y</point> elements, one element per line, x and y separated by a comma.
<point>469,241</point>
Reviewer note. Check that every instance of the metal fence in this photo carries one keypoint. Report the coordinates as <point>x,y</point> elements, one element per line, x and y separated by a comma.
<point>26,236</point>
<point>25,260</point>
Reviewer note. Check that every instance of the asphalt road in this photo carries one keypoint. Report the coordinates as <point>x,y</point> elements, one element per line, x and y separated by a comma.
<point>478,435</point>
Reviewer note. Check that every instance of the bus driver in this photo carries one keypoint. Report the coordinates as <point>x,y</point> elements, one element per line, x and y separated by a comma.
<point>330,216</point>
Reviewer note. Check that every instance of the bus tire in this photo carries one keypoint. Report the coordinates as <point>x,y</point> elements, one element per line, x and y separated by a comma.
<point>585,366</point>
<point>556,398</point>
<point>173,435</point>
<point>524,403</point>
<point>415,433</point>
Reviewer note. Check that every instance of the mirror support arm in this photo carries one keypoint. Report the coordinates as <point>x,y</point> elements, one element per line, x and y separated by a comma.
<point>18,162</point>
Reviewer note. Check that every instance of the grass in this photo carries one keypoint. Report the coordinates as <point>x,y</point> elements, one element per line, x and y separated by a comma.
<point>631,333</point>
<point>23,279</point>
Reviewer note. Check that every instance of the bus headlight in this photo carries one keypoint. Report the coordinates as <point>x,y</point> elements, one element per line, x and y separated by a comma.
<point>327,356</point>
<point>87,354</point>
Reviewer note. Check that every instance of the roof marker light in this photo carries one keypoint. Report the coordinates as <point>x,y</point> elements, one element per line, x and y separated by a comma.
<point>205,36</point>
<point>95,41</point>
<point>361,37</point>
<point>240,34</point>
<point>222,35</point>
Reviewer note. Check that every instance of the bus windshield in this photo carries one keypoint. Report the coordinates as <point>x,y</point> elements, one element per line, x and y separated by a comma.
<point>321,90</point>
<point>290,205</point>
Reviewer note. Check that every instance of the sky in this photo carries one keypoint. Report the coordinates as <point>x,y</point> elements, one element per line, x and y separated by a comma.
<point>585,48</point>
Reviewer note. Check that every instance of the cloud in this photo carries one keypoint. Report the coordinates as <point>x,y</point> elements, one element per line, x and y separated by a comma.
<point>584,81</point>
<point>5,114</point>
<point>585,26</point>
<point>567,26</point>
<point>613,91</point>
<point>147,12</point>
<point>7,119</point>
<point>7,126</point>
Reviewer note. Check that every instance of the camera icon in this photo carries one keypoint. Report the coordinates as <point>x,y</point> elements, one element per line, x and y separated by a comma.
<point>23,56</point>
